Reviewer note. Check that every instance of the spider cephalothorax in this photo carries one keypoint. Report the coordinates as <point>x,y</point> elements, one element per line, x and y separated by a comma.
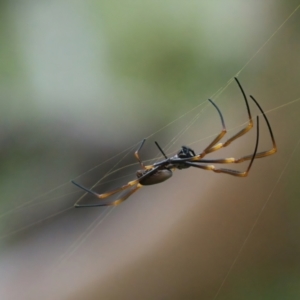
<point>186,152</point>
<point>186,158</point>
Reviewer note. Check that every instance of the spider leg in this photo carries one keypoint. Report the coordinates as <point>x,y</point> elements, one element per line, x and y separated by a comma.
<point>122,188</point>
<point>105,195</point>
<point>228,160</point>
<point>214,146</point>
<point>114,203</point>
<point>248,157</point>
<point>274,148</point>
<point>240,133</point>
<point>219,136</point>
<point>137,156</point>
<point>161,150</point>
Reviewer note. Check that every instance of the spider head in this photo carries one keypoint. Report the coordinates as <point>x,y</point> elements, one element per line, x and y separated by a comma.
<point>186,152</point>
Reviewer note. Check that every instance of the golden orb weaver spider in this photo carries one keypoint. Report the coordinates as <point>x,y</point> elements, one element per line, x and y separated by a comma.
<point>186,158</point>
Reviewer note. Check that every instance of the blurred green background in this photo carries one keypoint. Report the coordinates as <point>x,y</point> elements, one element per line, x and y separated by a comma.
<point>82,81</point>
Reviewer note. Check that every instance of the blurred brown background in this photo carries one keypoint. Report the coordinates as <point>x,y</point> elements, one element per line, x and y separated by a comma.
<point>82,81</point>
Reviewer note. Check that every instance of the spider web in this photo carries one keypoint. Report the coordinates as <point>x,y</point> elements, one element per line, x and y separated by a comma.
<point>196,115</point>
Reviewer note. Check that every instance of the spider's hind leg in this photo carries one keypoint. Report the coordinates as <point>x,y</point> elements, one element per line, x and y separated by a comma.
<point>114,203</point>
<point>105,195</point>
<point>137,155</point>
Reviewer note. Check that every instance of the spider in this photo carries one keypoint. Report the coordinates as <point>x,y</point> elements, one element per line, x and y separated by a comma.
<point>186,158</point>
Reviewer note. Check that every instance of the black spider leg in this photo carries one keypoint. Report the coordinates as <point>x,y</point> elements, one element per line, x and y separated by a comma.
<point>227,171</point>
<point>161,150</point>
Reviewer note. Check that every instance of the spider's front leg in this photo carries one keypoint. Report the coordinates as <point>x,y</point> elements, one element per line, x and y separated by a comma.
<point>227,160</point>
<point>262,153</point>
<point>248,157</point>
<point>213,146</point>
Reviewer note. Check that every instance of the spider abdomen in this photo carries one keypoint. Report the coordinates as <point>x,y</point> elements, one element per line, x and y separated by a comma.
<point>157,177</point>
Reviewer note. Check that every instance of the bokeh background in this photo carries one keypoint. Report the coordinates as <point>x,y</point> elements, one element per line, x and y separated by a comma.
<point>82,83</point>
